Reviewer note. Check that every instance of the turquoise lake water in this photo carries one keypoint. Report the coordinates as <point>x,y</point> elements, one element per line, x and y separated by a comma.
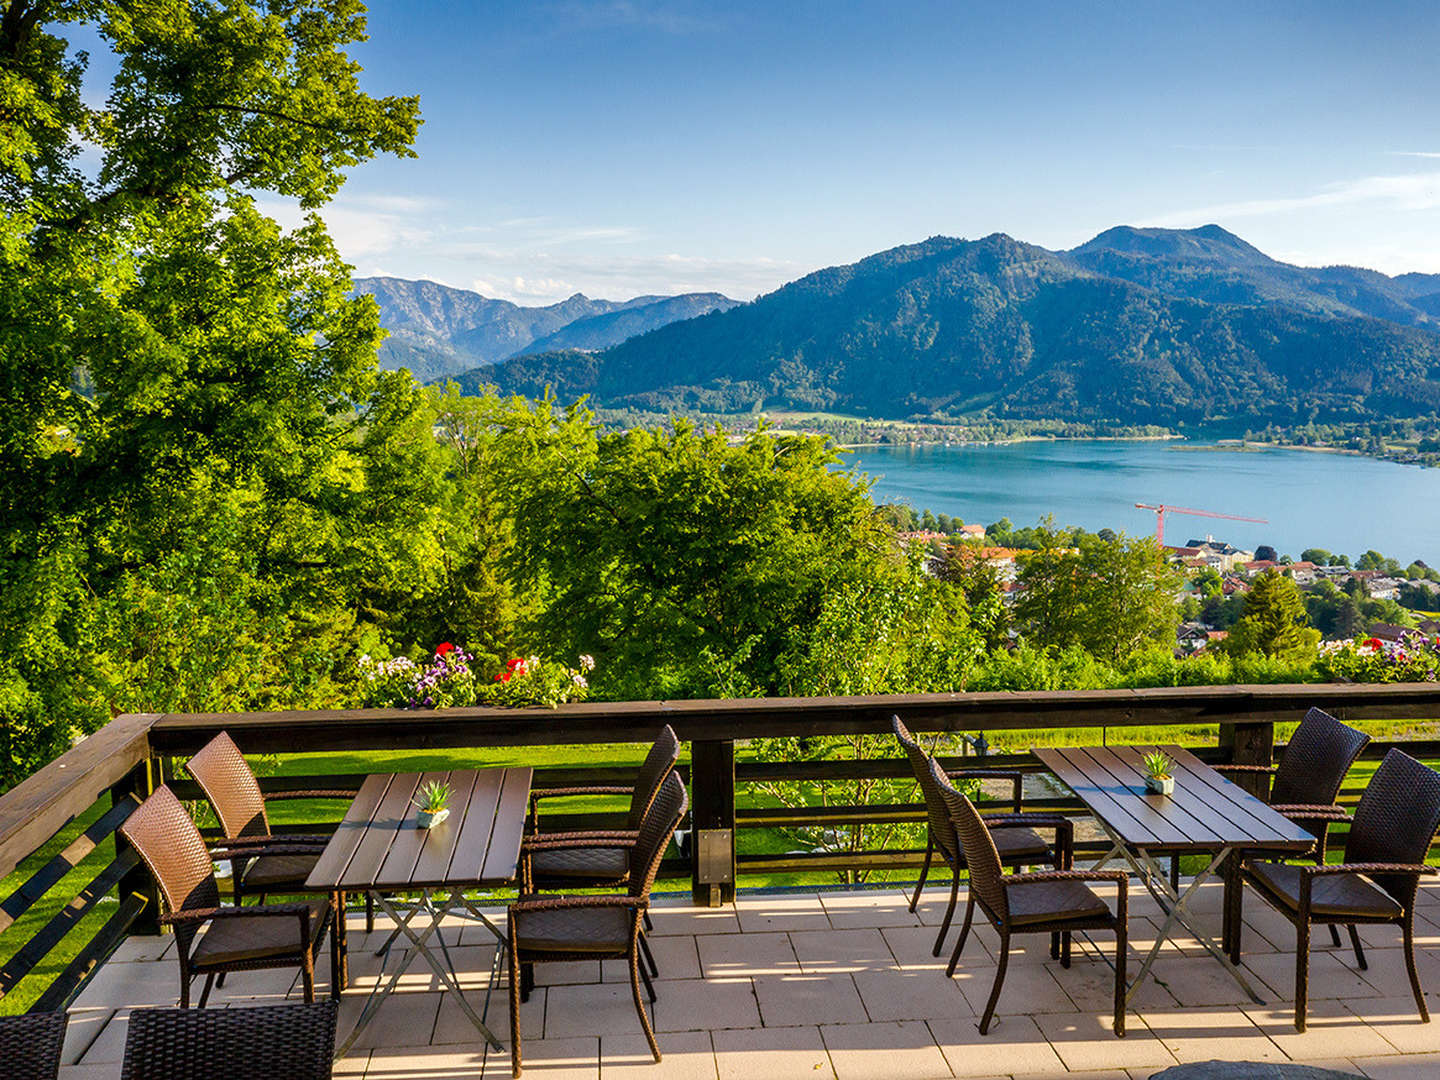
<point>1340,502</point>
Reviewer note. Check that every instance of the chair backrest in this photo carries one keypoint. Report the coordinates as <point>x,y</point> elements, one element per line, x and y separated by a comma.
<point>269,1042</point>
<point>659,824</point>
<point>942,829</point>
<point>1316,759</point>
<point>1396,820</point>
<point>978,847</point>
<point>30,1045</point>
<point>225,776</point>
<point>167,840</point>
<point>659,762</point>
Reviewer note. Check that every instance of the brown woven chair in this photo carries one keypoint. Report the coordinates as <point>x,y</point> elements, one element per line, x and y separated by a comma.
<point>272,1042</point>
<point>1378,878</point>
<point>236,939</point>
<point>1016,841</point>
<point>228,782</point>
<point>596,927</point>
<point>1304,787</point>
<point>1051,901</point>
<point>30,1046</point>
<point>565,861</point>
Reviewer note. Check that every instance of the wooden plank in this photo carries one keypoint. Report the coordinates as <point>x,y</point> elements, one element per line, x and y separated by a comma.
<point>40,805</point>
<point>397,869</point>
<point>1175,812</point>
<point>68,984</point>
<point>439,851</point>
<point>473,843</point>
<point>1279,832</point>
<point>380,832</point>
<point>1225,822</point>
<point>585,722</point>
<point>712,793</point>
<point>334,860</point>
<point>1110,801</point>
<point>39,883</point>
<point>502,858</point>
<point>1167,827</point>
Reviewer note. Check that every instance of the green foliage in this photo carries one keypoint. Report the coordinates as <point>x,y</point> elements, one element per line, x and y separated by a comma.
<point>1158,764</point>
<point>1274,622</point>
<point>433,795</point>
<point>1109,598</point>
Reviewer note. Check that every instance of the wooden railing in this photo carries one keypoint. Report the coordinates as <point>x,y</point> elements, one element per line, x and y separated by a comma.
<point>98,782</point>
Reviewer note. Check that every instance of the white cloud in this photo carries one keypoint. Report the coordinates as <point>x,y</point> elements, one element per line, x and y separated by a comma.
<point>1414,153</point>
<point>1414,191</point>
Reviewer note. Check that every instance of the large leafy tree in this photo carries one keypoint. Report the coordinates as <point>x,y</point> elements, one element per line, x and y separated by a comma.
<point>1274,621</point>
<point>177,373</point>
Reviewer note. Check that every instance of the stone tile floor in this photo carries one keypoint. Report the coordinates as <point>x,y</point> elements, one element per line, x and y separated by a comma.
<point>843,986</point>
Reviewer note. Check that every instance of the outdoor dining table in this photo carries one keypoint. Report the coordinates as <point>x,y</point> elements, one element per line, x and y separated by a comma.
<point>379,849</point>
<point>1207,815</point>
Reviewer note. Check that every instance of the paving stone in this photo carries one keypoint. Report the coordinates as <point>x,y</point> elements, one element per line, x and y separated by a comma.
<point>124,985</point>
<point>403,1019</point>
<point>1330,976</point>
<point>1015,1043</point>
<point>81,1029</point>
<point>453,1026</point>
<point>552,1059</point>
<point>772,1054</point>
<point>677,918</point>
<point>870,908</point>
<point>885,1051</point>
<point>910,995</point>
<point>675,955</point>
<point>684,1056</point>
<point>706,1005</point>
<point>1331,1030</point>
<point>759,912</point>
<point>1398,1022</point>
<point>788,1000</point>
<point>1088,1041</point>
<point>593,1009</point>
<point>1090,984</point>
<point>1417,1067</point>
<point>1211,1034</point>
<point>743,955</point>
<point>826,951</point>
<point>1027,989</point>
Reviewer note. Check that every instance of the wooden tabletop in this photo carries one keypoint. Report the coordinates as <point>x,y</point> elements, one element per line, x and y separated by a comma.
<point>379,845</point>
<point>1207,812</point>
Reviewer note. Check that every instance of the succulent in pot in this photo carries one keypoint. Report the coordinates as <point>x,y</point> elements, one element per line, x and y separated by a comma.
<point>1158,773</point>
<point>432,804</point>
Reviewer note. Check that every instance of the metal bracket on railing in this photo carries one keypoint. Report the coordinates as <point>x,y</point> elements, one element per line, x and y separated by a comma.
<point>715,860</point>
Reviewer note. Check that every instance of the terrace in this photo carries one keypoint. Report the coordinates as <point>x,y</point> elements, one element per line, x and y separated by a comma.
<point>759,982</point>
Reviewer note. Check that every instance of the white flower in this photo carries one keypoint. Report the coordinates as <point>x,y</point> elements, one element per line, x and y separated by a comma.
<point>587,662</point>
<point>579,680</point>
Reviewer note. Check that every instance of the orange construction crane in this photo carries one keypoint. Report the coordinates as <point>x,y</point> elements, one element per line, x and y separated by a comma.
<point>1162,509</point>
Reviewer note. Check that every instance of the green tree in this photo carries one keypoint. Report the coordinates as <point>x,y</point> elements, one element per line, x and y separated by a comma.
<point>1274,622</point>
<point>1110,599</point>
<point>181,376</point>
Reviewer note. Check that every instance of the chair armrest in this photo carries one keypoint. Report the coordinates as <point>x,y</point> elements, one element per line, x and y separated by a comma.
<point>614,837</point>
<point>206,914</point>
<point>1013,821</point>
<point>254,851</point>
<point>1122,877</point>
<point>1367,868</point>
<point>584,789</point>
<point>1244,768</point>
<point>556,903</point>
<point>1015,776</point>
<point>325,793</point>
<point>566,842</point>
<point>1312,812</point>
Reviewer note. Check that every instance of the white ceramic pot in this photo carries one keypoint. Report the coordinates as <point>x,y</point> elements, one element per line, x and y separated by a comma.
<point>428,819</point>
<point>1160,785</point>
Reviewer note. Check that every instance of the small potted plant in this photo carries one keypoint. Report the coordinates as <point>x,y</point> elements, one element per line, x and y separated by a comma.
<point>431,802</point>
<point>1159,780</point>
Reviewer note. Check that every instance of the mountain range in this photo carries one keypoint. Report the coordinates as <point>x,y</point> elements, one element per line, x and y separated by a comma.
<point>1136,325</point>
<point>436,330</point>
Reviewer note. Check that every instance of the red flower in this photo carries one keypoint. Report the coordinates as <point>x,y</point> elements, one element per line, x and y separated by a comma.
<point>504,676</point>
<point>1373,643</point>
<point>515,663</point>
<point>443,648</point>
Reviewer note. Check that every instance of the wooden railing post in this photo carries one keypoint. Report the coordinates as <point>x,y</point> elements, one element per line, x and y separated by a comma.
<point>140,782</point>
<point>712,815</point>
<point>1251,742</point>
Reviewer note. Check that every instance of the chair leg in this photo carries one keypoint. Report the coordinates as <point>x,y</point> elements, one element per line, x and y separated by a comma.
<point>648,956</point>
<point>1064,950</point>
<point>220,982</point>
<point>924,868</point>
<point>1175,872</point>
<point>1055,945</point>
<point>515,999</point>
<point>527,981</point>
<point>205,990</point>
<point>1302,972</point>
<point>964,934</point>
<point>1359,949</point>
<point>1334,935</point>
<point>649,986</point>
<point>307,975</point>
<point>648,924</point>
<point>640,1004</point>
<point>999,981</point>
<point>1410,967</point>
<point>949,914</point>
<point>370,917</point>
<point>1121,946</point>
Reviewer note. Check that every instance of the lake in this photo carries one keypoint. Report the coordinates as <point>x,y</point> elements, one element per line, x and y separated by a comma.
<point>1340,502</point>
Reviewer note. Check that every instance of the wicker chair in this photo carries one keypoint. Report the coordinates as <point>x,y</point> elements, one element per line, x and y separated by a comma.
<point>1017,843</point>
<point>1052,901</point>
<point>562,862</point>
<point>225,776</point>
<point>1377,881</point>
<point>1304,787</point>
<point>237,939</point>
<point>30,1045</point>
<point>272,1042</point>
<point>595,927</point>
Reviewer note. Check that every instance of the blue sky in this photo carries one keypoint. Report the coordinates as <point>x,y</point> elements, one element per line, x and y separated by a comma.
<point>620,147</point>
